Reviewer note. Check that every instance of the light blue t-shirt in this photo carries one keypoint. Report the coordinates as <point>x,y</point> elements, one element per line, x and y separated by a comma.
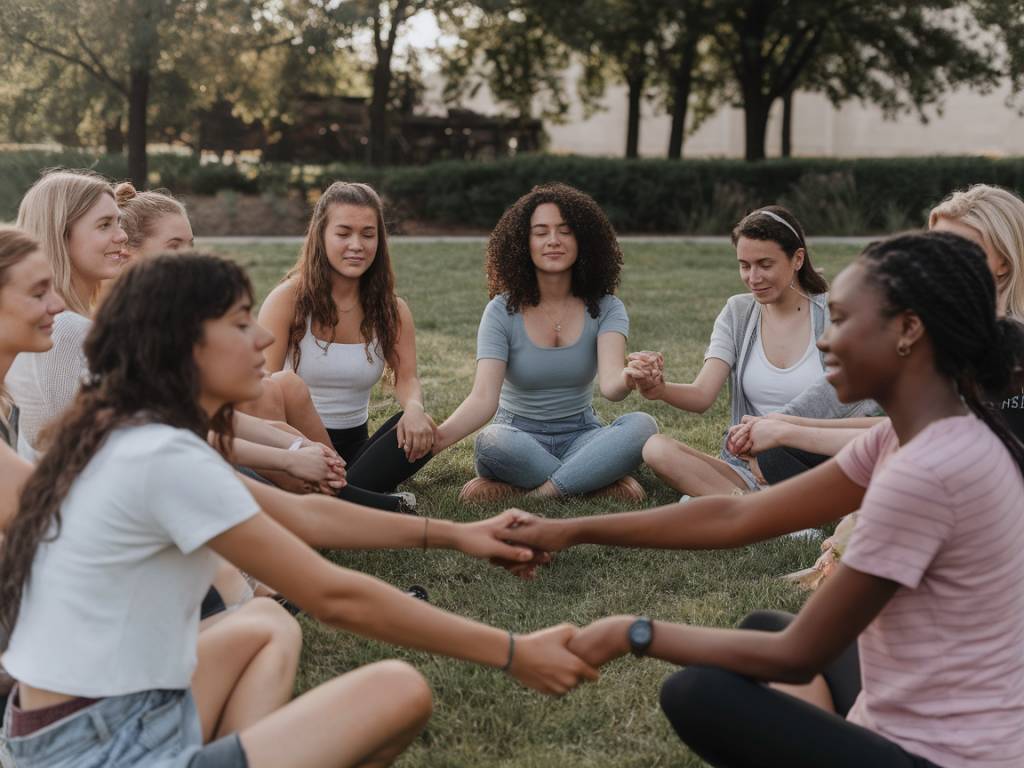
<point>546,383</point>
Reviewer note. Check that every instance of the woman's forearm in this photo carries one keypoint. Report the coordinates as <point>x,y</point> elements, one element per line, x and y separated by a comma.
<point>855,422</point>
<point>408,389</point>
<point>615,388</point>
<point>256,430</point>
<point>820,440</point>
<point>688,397</point>
<point>257,457</point>
<point>472,413</point>
<point>362,604</point>
<point>325,522</point>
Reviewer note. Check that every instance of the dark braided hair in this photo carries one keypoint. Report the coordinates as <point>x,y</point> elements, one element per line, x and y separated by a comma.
<point>141,371</point>
<point>944,279</point>
<point>510,269</point>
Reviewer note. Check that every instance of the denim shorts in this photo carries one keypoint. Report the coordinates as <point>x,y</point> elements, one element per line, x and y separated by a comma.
<point>155,729</point>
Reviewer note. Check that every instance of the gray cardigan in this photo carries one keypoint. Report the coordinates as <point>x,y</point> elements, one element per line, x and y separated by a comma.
<point>732,340</point>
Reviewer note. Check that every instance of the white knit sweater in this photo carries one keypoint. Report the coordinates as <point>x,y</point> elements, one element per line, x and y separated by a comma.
<point>43,384</point>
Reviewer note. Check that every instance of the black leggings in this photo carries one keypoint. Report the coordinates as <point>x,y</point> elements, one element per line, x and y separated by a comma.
<point>732,721</point>
<point>374,466</point>
<point>782,463</point>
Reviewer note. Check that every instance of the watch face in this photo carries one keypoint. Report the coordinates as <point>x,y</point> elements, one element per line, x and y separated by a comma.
<point>640,634</point>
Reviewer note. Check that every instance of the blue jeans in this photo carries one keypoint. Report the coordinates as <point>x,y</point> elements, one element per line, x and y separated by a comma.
<point>578,454</point>
<point>155,729</point>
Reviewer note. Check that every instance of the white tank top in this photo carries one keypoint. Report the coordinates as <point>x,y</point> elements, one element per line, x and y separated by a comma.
<point>769,388</point>
<point>339,378</point>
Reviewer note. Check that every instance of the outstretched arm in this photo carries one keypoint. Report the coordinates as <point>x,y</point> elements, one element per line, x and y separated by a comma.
<point>696,397</point>
<point>830,621</point>
<point>329,523</point>
<point>363,604</point>
<point>478,408</point>
<point>810,499</point>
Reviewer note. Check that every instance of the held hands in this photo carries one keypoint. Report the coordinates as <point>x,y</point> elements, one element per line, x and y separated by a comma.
<point>543,661</point>
<point>538,533</point>
<point>645,372</point>
<point>756,434</point>
<point>489,539</point>
<point>319,465</point>
<point>415,431</point>
<point>603,640</point>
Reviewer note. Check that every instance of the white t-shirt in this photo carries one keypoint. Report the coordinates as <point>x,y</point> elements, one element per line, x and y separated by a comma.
<point>769,388</point>
<point>43,384</point>
<point>112,605</point>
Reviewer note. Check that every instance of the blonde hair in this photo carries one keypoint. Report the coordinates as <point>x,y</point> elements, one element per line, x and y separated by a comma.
<point>998,215</point>
<point>15,245</point>
<point>49,210</point>
<point>141,210</point>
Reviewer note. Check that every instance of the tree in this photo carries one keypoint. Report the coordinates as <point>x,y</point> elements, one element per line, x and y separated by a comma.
<point>505,45</point>
<point>687,25</point>
<point>127,46</point>
<point>900,55</point>
<point>618,40</point>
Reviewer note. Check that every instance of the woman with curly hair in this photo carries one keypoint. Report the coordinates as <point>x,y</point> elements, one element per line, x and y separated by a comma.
<point>553,323</point>
<point>338,324</point>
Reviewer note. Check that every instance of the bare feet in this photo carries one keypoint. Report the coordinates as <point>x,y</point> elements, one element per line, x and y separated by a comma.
<point>625,489</point>
<point>482,491</point>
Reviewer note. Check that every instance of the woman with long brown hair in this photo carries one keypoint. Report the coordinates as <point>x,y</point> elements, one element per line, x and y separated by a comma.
<point>104,565</point>
<point>338,324</point>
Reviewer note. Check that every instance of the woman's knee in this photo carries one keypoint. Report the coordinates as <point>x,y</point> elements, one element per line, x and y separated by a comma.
<point>766,621</point>
<point>659,450</point>
<point>407,689</point>
<point>696,701</point>
<point>641,426</point>
<point>277,629</point>
<point>495,442</point>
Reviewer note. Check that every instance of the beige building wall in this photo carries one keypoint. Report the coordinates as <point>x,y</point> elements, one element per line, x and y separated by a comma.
<point>970,123</point>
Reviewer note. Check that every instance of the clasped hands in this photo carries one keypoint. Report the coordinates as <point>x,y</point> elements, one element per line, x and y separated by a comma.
<point>645,372</point>
<point>521,542</point>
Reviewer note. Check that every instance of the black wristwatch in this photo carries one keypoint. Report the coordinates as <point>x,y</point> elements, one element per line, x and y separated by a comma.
<point>641,633</point>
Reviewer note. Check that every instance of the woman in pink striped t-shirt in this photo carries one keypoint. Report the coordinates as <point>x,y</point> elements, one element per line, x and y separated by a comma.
<point>930,585</point>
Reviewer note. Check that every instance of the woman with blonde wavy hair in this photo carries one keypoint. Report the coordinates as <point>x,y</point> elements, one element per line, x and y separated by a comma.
<point>74,217</point>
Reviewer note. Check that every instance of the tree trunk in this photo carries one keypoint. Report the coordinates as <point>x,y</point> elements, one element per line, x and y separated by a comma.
<point>636,92</point>
<point>138,101</point>
<point>681,82</point>
<point>787,124</point>
<point>380,134</point>
<point>113,137</point>
<point>755,120</point>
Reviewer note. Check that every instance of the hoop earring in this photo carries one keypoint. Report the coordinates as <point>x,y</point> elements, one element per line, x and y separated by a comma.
<point>903,349</point>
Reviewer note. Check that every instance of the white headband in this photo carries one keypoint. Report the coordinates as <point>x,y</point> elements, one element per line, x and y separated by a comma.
<point>782,221</point>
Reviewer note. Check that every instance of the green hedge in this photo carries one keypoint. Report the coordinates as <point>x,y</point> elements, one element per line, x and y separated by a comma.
<point>830,196</point>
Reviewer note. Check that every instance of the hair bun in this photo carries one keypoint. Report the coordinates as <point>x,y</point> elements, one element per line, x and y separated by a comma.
<point>124,192</point>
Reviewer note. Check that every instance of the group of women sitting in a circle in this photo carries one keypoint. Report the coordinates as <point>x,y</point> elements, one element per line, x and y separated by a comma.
<point>179,462</point>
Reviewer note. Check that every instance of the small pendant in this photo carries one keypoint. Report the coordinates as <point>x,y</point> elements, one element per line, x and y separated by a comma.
<point>558,327</point>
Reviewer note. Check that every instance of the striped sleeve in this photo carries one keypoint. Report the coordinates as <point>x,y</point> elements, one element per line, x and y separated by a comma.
<point>857,459</point>
<point>903,523</point>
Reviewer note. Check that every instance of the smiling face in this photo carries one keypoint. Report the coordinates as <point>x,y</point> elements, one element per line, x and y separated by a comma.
<point>171,232</point>
<point>28,304</point>
<point>765,268</point>
<point>351,236</point>
<point>96,242</point>
<point>860,344</point>
<point>553,246</point>
<point>229,357</point>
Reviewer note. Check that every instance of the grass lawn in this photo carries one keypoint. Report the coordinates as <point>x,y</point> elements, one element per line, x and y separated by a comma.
<point>673,293</point>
